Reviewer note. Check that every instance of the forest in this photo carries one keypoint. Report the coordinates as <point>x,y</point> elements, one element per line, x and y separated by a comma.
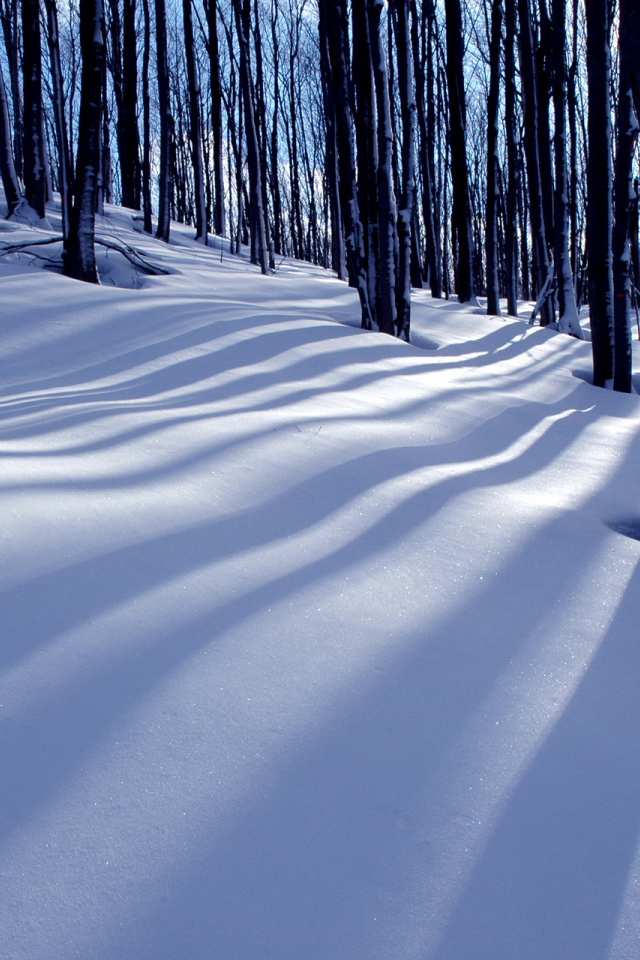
<point>471,147</point>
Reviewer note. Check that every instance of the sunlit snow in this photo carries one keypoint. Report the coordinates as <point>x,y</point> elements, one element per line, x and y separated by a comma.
<point>315,645</point>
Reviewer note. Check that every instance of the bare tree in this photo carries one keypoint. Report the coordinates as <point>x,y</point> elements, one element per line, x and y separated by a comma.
<point>79,250</point>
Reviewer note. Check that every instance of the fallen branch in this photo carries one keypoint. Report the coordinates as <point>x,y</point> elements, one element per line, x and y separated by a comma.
<point>129,253</point>
<point>546,291</point>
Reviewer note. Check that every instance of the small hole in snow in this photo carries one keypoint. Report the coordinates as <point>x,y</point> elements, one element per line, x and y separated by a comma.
<point>628,528</point>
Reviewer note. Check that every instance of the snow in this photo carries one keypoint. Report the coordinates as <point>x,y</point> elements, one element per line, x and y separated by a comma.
<point>316,645</point>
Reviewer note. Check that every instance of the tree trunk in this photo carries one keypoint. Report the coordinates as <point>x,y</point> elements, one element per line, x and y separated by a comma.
<point>259,251</point>
<point>64,165</point>
<point>130,160</point>
<point>367,149</point>
<point>627,135</point>
<point>531,144</point>
<point>35,167</point>
<point>194,124</point>
<point>426,169</point>
<point>166,125</point>
<point>493,287</point>
<point>79,252</point>
<point>7,169</point>
<point>407,196</point>
<point>387,217</point>
<point>146,121</point>
<point>459,170</point>
<point>9,16</point>
<point>513,166</point>
<point>568,313</point>
<point>334,15</point>
<point>599,225</point>
<point>338,253</point>
<point>211,10</point>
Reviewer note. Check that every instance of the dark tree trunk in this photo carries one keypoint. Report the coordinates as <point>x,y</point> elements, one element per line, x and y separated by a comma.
<point>493,287</point>
<point>599,219</point>
<point>334,15</point>
<point>367,149</point>
<point>407,195</point>
<point>572,106</point>
<point>261,127</point>
<point>211,10</point>
<point>568,313</point>
<point>387,217</point>
<point>513,166</point>
<point>426,167</point>
<point>257,226</point>
<point>275,178</point>
<point>338,253</point>
<point>9,16</point>
<point>531,144</point>
<point>544,81</point>
<point>146,121</point>
<point>627,135</point>
<point>79,253</point>
<point>127,120</point>
<point>166,125</point>
<point>7,169</point>
<point>35,167</point>
<point>64,163</point>
<point>194,124</point>
<point>459,170</point>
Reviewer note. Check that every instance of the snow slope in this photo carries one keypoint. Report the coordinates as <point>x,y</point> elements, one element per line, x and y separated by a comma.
<point>315,645</point>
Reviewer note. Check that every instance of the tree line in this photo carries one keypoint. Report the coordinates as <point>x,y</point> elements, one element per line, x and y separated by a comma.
<point>476,147</point>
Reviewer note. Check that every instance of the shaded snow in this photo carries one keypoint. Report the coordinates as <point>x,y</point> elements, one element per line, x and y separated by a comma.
<point>316,645</point>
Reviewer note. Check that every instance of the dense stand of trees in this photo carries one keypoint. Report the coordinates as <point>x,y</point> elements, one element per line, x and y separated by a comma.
<point>477,147</point>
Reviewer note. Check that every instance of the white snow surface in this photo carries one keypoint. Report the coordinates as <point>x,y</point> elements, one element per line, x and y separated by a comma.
<point>315,645</point>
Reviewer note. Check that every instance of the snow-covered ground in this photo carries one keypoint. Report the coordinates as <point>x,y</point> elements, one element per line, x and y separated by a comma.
<point>315,645</point>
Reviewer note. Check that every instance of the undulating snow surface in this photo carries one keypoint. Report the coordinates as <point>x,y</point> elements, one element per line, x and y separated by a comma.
<point>315,645</point>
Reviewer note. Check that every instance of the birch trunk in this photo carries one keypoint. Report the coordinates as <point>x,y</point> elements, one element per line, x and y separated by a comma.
<point>64,164</point>
<point>211,10</point>
<point>194,124</point>
<point>334,15</point>
<point>531,145</point>
<point>626,136</point>
<point>9,16</point>
<point>79,251</point>
<point>493,289</point>
<point>459,170</point>
<point>258,235</point>
<point>338,252</point>
<point>7,169</point>
<point>406,212</point>
<point>35,168</point>
<point>146,121</point>
<point>599,219</point>
<point>367,149</point>
<point>568,320</point>
<point>387,217</point>
<point>166,125</point>
<point>513,166</point>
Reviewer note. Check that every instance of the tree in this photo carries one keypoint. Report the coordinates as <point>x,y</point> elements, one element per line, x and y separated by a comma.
<point>599,213</point>
<point>35,163</point>
<point>166,124</point>
<point>626,137</point>
<point>194,124</point>
<point>568,314</point>
<point>79,249</point>
<point>459,171</point>
<point>493,291</point>
<point>542,266</point>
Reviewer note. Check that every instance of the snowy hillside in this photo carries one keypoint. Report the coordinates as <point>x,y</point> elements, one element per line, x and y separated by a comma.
<point>315,645</point>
